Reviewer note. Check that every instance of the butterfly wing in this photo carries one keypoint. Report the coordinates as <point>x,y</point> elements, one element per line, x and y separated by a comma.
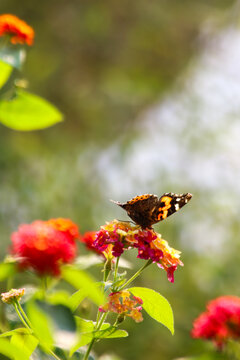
<point>146,210</point>
<point>140,209</point>
<point>169,203</point>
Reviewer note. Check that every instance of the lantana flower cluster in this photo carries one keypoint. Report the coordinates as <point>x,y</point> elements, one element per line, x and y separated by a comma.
<point>124,304</point>
<point>220,322</point>
<point>117,236</point>
<point>44,245</point>
<point>12,296</point>
<point>18,30</point>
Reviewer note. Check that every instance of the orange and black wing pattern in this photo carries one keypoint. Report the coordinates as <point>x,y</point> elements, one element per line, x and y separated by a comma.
<point>146,210</point>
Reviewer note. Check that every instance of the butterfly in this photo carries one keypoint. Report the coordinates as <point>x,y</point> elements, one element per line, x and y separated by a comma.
<point>146,210</point>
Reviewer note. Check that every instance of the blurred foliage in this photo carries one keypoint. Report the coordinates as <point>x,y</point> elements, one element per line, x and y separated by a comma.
<point>102,64</point>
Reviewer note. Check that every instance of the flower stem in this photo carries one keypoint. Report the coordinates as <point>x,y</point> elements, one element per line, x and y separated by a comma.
<point>135,275</point>
<point>24,315</point>
<point>26,322</point>
<point>116,270</point>
<point>15,304</point>
<point>101,321</point>
<point>98,327</point>
<point>44,286</point>
<point>53,354</point>
<point>89,349</point>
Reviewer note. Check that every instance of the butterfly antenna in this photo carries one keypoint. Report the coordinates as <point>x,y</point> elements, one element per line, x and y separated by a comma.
<point>115,202</point>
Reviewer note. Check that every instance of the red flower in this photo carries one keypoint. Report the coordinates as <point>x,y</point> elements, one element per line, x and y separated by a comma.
<point>44,245</point>
<point>19,31</point>
<point>88,239</point>
<point>220,322</point>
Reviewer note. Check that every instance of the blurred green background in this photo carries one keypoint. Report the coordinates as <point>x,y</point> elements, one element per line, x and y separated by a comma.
<point>150,91</point>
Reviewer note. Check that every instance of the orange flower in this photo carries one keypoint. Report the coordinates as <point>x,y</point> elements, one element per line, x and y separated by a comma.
<point>19,31</point>
<point>66,226</point>
<point>124,304</point>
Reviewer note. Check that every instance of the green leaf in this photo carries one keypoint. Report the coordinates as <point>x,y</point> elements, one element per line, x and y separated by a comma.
<point>107,331</point>
<point>85,330</point>
<point>156,306</point>
<point>13,56</point>
<point>27,112</point>
<point>76,299</point>
<point>59,297</point>
<point>87,333</point>
<point>62,323</point>
<point>7,270</point>
<point>40,324</point>
<point>12,351</point>
<point>81,280</point>
<point>27,343</point>
<point>15,331</point>
<point>5,72</point>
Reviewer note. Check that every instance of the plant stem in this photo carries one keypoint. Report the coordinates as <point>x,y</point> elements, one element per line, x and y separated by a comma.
<point>135,275</point>
<point>24,315</point>
<point>26,322</point>
<point>98,327</point>
<point>53,354</point>
<point>44,285</point>
<point>15,304</point>
<point>101,321</point>
<point>89,349</point>
<point>116,270</point>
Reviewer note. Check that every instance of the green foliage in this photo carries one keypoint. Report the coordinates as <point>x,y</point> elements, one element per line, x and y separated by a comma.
<point>156,306</point>
<point>121,59</point>
<point>15,331</point>
<point>41,325</point>
<point>5,72</point>
<point>58,297</point>
<point>27,112</point>
<point>7,270</point>
<point>87,330</point>
<point>13,351</point>
<point>76,298</point>
<point>27,343</point>
<point>81,280</point>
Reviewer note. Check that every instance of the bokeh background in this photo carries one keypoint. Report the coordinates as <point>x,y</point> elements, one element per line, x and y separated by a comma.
<point>150,91</point>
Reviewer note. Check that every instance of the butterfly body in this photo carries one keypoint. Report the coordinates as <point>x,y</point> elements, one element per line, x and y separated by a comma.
<point>146,210</point>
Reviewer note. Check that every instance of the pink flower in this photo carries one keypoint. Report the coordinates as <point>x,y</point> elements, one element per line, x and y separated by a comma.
<point>220,322</point>
<point>115,237</point>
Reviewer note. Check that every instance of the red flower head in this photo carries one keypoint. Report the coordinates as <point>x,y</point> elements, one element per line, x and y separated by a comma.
<point>124,304</point>
<point>19,31</point>
<point>115,237</point>
<point>88,239</point>
<point>220,322</point>
<point>44,246</point>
